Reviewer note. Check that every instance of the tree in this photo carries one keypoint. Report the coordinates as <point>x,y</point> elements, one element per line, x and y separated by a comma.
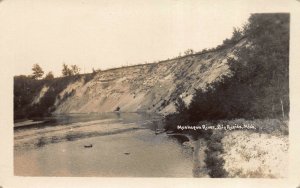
<point>66,71</point>
<point>49,76</point>
<point>264,67</point>
<point>37,71</point>
<point>236,35</point>
<point>189,52</point>
<point>75,69</point>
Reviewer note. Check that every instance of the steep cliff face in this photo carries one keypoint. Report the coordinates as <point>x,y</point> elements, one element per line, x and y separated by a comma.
<point>146,88</point>
<point>141,88</point>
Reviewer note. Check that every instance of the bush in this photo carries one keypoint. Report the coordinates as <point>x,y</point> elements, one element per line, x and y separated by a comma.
<point>214,161</point>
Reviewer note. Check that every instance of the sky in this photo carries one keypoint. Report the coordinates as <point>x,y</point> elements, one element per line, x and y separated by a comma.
<point>103,34</point>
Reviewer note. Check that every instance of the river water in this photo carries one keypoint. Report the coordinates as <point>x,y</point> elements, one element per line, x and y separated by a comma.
<point>102,145</point>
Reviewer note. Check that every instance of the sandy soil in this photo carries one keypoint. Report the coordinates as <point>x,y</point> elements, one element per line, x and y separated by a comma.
<point>249,154</point>
<point>143,88</point>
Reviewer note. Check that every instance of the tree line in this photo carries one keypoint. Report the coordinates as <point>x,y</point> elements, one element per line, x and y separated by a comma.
<point>37,72</point>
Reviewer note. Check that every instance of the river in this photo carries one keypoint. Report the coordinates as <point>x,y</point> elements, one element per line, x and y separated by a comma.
<point>102,145</point>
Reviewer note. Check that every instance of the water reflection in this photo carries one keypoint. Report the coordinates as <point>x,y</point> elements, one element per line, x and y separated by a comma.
<point>145,119</point>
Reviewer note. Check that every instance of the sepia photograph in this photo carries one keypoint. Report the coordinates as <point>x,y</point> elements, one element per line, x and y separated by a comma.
<point>149,89</point>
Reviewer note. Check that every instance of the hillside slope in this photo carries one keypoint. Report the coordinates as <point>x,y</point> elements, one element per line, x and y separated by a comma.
<point>141,88</point>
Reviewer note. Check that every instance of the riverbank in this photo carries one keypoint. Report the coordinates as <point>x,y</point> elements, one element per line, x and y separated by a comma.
<point>132,139</point>
<point>242,148</point>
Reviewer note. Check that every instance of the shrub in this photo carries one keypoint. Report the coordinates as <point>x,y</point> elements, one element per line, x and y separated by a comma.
<point>49,76</point>
<point>214,161</point>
